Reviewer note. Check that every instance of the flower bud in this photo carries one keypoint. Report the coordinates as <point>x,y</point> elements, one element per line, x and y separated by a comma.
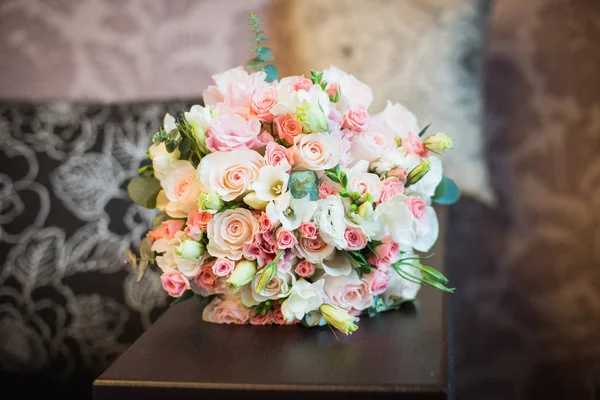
<point>438,143</point>
<point>266,274</point>
<point>190,250</point>
<point>365,210</point>
<point>243,273</point>
<point>311,117</point>
<point>209,202</point>
<point>253,201</point>
<point>339,318</point>
<point>418,172</point>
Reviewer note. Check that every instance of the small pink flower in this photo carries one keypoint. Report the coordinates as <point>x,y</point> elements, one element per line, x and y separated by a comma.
<point>276,153</point>
<point>413,144</point>
<point>166,230</point>
<point>305,269</point>
<point>277,317</point>
<point>206,278</point>
<point>232,132</point>
<point>288,128</point>
<point>174,283</point>
<point>388,250</point>
<point>302,83</point>
<point>193,232</point>
<point>332,89</point>
<point>199,219</point>
<point>378,262</point>
<point>327,188</point>
<point>261,319</point>
<point>285,239</point>
<point>308,230</point>
<point>416,205</point>
<point>356,119</point>
<point>398,172</point>
<point>390,187</point>
<point>377,281</point>
<point>356,238</point>
<point>223,267</point>
<point>262,101</point>
<point>264,222</point>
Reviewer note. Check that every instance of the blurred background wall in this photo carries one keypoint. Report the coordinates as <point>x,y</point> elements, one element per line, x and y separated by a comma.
<point>515,82</point>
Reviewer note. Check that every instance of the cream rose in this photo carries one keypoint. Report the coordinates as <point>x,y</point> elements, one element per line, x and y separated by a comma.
<point>372,143</point>
<point>317,151</point>
<point>230,174</point>
<point>181,188</point>
<point>348,292</point>
<point>228,232</point>
<point>227,311</point>
<point>313,250</point>
<point>278,288</point>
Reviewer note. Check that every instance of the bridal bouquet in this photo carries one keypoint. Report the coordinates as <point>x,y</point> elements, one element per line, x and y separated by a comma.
<point>286,201</point>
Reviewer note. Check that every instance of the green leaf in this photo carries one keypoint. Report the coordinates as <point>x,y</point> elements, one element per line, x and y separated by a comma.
<point>254,63</point>
<point>170,146</point>
<point>344,180</point>
<point>159,219</point>
<point>184,146</point>
<point>272,73</point>
<point>424,130</point>
<point>304,183</point>
<point>186,295</point>
<point>263,52</point>
<point>332,176</point>
<point>143,191</point>
<point>447,192</point>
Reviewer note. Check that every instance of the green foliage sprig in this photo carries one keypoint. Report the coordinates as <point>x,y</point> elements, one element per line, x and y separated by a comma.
<point>262,53</point>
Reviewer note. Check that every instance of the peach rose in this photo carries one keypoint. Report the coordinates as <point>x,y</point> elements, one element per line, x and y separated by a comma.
<point>285,239</point>
<point>229,231</point>
<point>314,250</point>
<point>390,187</point>
<point>230,174</point>
<point>226,311</point>
<point>262,101</point>
<point>197,221</point>
<point>348,292</point>
<point>356,119</point>
<point>174,283</point>
<point>288,128</point>
<point>308,230</point>
<point>317,151</point>
<point>166,230</point>
<point>181,187</point>
<point>305,269</point>
<point>276,153</point>
<point>355,238</point>
<point>261,319</point>
<point>416,205</point>
<point>265,223</point>
<point>206,278</point>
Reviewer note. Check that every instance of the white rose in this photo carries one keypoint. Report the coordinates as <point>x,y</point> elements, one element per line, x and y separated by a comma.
<point>348,291</point>
<point>291,212</point>
<point>330,218</point>
<point>372,143</point>
<point>398,120</point>
<point>278,288</point>
<point>181,188</point>
<point>228,232</point>
<point>230,174</point>
<point>304,297</point>
<point>317,151</point>
<point>400,289</point>
<point>362,182</point>
<point>352,91</point>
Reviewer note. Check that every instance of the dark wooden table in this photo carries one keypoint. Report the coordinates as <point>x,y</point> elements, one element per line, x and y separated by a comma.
<point>400,354</point>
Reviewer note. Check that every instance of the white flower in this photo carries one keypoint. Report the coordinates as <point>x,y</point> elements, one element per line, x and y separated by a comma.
<point>367,218</point>
<point>230,174</point>
<point>272,181</point>
<point>372,143</point>
<point>317,151</point>
<point>169,123</point>
<point>329,217</point>
<point>352,91</point>
<point>398,120</point>
<point>348,291</point>
<point>199,118</point>
<point>304,297</point>
<point>362,182</point>
<point>291,212</point>
<point>289,100</point>
<point>395,158</point>
<point>336,264</point>
<point>162,160</point>
<point>400,289</point>
<point>278,288</point>
<point>425,187</point>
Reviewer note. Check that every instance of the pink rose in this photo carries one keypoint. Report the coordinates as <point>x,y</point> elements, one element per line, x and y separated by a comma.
<point>356,119</point>
<point>377,262</point>
<point>276,153</point>
<point>260,319</point>
<point>264,222</point>
<point>302,83</point>
<point>234,87</point>
<point>372,143</point>
<point>416,205</point>
<point>227,311</point>
<point>388,250</point>
<point>308,230</point>
<point>348,291</point>
<point>166,230</point>
<point>278,318</point>
<point>413,144</point>
<point>305,269</point>
<point>356,238</point>
<point>314,250</point>
<point>262,101</point>
<point>174,283</point>
<point>288,128</point>
<point>327,188</point>
<point>398,172</point>
<point>233,132</point>
<point>206,278</point>
<point>223,267</point>
<point>377,281</point>
<point>390,187</point>
<point>285,239</point>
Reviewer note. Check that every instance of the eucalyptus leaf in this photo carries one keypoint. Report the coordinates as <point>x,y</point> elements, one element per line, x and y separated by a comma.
<point>254,63</point>
<point>272,73</point>
<point>447,192</point>
<point>304,183</point>
<point>143,190</point>
<point>262,52</point>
